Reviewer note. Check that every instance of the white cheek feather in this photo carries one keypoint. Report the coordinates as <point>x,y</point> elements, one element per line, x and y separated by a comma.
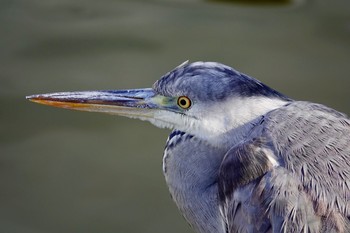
<point>210,121</point>
<point>231,114</point>
<point>167,119</point>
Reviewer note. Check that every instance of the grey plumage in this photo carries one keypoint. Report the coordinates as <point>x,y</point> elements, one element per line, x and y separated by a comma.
<point>309,191</point>
<point>242,157</point>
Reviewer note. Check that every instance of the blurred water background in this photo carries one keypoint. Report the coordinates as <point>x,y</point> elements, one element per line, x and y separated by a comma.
<point>76,172</point>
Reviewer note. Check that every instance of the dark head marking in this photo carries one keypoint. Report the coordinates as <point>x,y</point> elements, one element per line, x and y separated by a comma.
<point>210,81</point>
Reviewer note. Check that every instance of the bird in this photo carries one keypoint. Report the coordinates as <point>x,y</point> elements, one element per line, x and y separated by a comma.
<point>241,156</point>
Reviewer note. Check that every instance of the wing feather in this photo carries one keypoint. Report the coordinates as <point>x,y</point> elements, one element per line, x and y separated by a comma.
<point>307,190</point>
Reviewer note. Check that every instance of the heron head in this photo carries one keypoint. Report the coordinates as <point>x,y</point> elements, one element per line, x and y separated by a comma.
<point>205,99</point>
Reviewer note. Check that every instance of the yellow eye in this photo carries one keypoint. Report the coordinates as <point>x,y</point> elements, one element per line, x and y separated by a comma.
<point>184,102</point>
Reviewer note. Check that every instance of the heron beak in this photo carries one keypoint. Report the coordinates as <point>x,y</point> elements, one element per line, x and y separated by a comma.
<point>138,103</point>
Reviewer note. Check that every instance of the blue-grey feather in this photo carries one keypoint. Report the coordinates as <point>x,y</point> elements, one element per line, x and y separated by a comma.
<point>214,82</point>
<point>287,170</point>
<point>310,190</point>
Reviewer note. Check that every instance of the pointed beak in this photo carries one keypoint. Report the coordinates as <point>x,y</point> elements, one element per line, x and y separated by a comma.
<point>139,103</point>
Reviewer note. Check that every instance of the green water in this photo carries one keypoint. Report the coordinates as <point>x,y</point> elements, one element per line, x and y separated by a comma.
<point>76,172</point>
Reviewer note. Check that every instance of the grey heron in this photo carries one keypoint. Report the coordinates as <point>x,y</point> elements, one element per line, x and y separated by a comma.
<point>242,157</point>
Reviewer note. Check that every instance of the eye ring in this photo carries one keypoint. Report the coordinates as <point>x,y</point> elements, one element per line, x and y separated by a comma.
<point>184,102</point>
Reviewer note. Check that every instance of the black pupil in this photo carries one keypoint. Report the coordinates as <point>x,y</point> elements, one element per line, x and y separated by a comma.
<point>183,102</point>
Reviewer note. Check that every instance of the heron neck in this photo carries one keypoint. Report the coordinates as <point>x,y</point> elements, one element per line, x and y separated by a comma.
<point>191,168</point>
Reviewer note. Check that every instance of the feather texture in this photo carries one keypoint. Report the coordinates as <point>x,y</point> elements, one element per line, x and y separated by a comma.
<point>308,191</point>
